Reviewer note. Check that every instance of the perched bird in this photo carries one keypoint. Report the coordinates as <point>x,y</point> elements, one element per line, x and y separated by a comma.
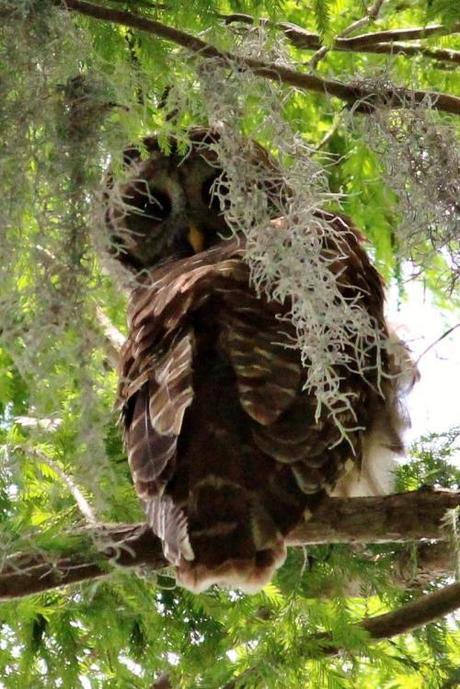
<point>225,450</point>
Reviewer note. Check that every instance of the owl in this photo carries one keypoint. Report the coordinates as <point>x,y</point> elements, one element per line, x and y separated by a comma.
<point>225,446</point>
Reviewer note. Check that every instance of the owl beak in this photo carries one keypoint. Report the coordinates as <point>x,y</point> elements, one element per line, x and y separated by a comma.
<point>195,238</point>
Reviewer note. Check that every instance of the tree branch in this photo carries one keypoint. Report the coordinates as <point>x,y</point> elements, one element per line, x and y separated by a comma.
<point>362,97</point>
<point>130,545</point>
<point>413,615</point>
<point>437,341</point>
<point>396,518</point>
<point>406,517</point>
<point>438,54</point>
<point>303,39</point>
<point>404,34</point>
<point>82,503</point>
<point>371,15</point>
<point>113,337</point>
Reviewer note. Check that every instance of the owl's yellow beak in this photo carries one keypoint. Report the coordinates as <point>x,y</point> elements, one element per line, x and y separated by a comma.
<point>195,238</point>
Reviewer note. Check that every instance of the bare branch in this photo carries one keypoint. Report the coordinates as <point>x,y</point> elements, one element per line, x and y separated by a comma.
<point>404,34</point>
<point>302,38</point>
<point>437,341</point>
<point>307,40</point>
<point>114,339</point>
<point>406,517</point>
<point>371,15</point>
<point>415,614</point>
<point>131,545</point>
<point>362,97</point>
<point>438,54</point>
<point>82,503</point>
<point>392,518</point>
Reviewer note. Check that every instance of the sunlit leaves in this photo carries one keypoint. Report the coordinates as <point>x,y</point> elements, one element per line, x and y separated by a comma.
<point>57,384</point>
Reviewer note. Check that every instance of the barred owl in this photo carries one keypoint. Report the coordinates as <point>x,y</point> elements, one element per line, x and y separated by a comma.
<point>224,446</point>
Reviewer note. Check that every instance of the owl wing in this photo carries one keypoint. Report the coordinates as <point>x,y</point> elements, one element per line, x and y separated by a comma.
<point>156,381</point>
<point>224,444</point>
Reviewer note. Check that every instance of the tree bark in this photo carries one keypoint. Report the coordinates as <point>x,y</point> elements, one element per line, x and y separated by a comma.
<point>402,518</point>
<point>398,518</point>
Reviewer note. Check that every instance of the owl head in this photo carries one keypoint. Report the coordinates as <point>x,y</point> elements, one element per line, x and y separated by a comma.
<point>172,205</point>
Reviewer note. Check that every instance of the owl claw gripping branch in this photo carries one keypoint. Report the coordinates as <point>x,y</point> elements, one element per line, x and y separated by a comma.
<point>224,446</point>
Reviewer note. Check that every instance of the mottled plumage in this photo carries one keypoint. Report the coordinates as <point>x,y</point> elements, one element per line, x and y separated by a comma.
<point>223,443</point>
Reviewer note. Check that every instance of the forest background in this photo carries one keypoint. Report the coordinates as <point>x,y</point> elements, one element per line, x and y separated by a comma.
<point>360,101</point>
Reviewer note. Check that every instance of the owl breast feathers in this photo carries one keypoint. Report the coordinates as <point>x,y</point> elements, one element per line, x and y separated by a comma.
<point>224,447</point>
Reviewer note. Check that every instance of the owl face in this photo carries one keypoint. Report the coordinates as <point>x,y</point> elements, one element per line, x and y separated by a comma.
<point>168,207</point>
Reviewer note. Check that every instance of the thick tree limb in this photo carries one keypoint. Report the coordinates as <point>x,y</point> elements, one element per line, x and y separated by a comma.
<point>361,97</point>
<point>407,517</point>
<point>132,545</point>
<point>391,518</point>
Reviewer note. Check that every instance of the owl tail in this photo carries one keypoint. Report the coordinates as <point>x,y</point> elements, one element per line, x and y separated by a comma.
<point>240,548</point>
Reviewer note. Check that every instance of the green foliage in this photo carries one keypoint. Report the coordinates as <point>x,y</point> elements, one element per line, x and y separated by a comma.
<point>433,462</point>
<point>73,92</point>
<point>321,9</point>
<point>444,11</point>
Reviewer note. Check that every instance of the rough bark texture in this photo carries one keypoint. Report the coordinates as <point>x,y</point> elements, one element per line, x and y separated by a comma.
<point>131,545</point>
<point>406,517</point>
<point>392,518</point>
<point>414,614</point>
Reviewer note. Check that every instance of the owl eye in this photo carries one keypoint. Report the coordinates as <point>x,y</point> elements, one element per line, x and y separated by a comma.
<point>155,204</point>
<point>210,187</point>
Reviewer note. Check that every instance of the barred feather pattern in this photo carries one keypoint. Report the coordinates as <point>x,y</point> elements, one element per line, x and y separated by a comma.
<point>223,443</point>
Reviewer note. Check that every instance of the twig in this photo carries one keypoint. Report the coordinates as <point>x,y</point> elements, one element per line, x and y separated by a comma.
<point>363,98</point>
<point>82,503</point>
<point>330,133</point>
<point>433,344</point>
<point>404,34</point>
<point>113,337</point>
<point>371,15</point>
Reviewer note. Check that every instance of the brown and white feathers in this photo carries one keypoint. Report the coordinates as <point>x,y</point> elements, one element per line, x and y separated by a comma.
<point>224,447</point>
